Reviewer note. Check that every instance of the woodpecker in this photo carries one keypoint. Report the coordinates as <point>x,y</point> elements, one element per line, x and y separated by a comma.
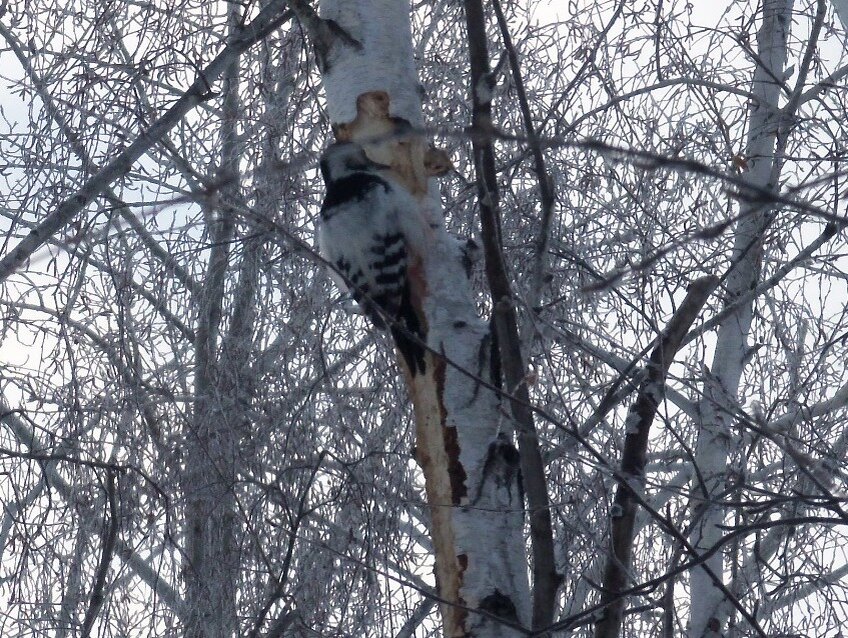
<point>365,230</point>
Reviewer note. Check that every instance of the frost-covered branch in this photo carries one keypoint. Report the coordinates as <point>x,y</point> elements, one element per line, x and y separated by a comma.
<point>715,439</point>
<point>109,539</point>
<point>265,22</point>
<point>164,257</point>
<point>148,574</point>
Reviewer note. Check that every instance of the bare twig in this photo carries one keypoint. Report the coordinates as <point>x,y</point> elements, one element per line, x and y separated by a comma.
<point>149,575</point>
<point>806,63</point>
<point>108,549</point>
<point>268,19</point>
<point>828,83</point>
<point>587,62</point>
<point>668,82</point>
<point>828,233</point>
<point>282,580</point>
<point>167,260</point>
<point>546,191</point>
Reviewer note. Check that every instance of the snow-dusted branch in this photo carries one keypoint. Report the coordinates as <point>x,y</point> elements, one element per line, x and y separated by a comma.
<point>164,257</point>
<point>841,9</point>
<point>110,537</point>
<point>800,259</point>
<point>148,574</point>
<point>422,610</point>
<point>715,439</point>
<point>265,22</point>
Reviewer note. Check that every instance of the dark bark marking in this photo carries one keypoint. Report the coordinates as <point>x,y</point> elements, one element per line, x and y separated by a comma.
<point>500,605</point>
<point>455,470</point>
<point>456,473</point>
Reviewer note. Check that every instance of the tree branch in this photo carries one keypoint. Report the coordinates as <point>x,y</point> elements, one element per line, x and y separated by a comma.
<point>827,234</point>
<point>546,581</point>
<point>96,600</point>
<point>150,576</point>
<point>268,19</point>
<point>165,258</point>
<point>546,191</point>
<point>631,479</point>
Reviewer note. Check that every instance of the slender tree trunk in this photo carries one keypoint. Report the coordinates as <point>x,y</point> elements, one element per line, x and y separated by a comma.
<point>546,581</point>
<point>212,567</point>
<point>715,438</point>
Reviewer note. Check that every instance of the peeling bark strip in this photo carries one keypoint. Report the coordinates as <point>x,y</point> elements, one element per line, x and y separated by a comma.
<point>437,453</point>
<point>265,22</point>
<point>632,480</point>
<point>471,481</point>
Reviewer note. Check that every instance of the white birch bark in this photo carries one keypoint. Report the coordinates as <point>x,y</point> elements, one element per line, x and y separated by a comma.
<point>715,439</point>
<point>471,473</point>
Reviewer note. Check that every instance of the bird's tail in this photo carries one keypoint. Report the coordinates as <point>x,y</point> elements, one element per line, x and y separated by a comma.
<point>409,335</point>
<point>396,312</point>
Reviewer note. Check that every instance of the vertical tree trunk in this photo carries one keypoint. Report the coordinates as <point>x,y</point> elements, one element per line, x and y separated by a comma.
<point>471,468</point>
<point>546,581</point>
<point>212,567</point>
<point>721,388</point>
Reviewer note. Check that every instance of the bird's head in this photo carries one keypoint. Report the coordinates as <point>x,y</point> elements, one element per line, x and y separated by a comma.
<point>346,158</point>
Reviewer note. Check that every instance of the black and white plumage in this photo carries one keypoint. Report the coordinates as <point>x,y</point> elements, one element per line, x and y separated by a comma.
<point>364,233</point>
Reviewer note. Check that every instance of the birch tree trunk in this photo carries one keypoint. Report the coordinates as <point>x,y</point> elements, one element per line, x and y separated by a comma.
<point>721,387</point>
<point>463,446</point>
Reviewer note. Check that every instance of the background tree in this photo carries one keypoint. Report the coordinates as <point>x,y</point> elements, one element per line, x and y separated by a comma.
<point>200,438</point>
